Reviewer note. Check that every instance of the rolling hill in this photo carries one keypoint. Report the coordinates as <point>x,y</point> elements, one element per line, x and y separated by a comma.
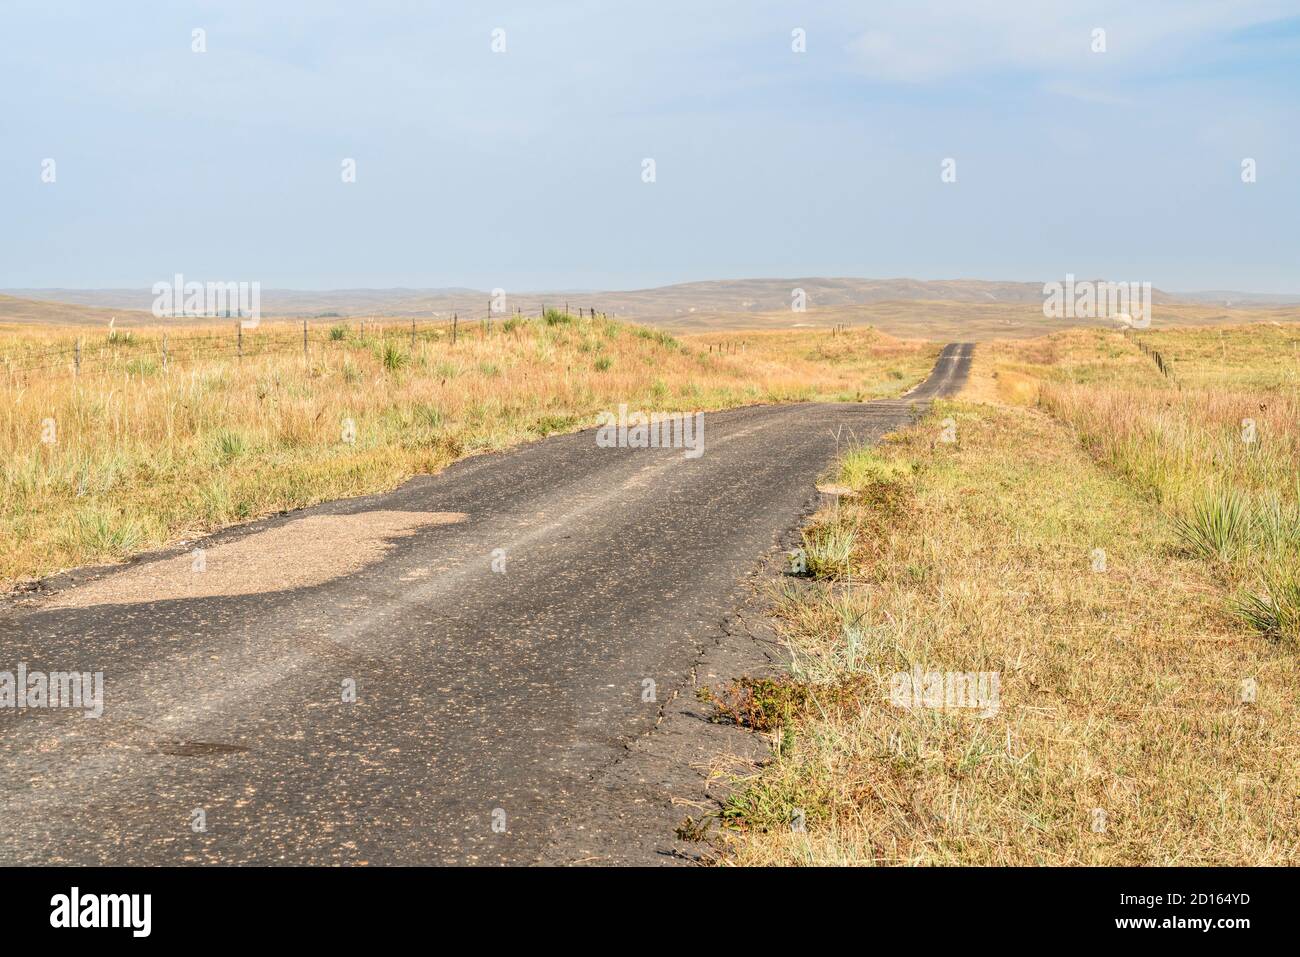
<point>939,309</point>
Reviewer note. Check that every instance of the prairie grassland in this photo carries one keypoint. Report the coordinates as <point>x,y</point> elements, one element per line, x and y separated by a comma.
<point>1138,721</point>
<point>1106,540</point>
<point>131,455</point>
<point>1216,444</point>
<point>953,321</point>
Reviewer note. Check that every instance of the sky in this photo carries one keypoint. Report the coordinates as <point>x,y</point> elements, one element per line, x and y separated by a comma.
<point>504,144</point>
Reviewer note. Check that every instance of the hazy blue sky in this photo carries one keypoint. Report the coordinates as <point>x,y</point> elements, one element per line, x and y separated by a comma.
<point>523,169</point>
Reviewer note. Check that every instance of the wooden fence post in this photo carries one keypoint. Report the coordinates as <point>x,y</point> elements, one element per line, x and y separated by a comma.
<point>453,328</point>
<point>239,340</point>
<point>76,358</point>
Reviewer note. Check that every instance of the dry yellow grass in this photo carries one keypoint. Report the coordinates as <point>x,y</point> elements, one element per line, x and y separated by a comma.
<point>1204,422</point>
<point>948,321</point>
<point>1124,732</point>
<point>1149,713</point>
<point>131,455</point>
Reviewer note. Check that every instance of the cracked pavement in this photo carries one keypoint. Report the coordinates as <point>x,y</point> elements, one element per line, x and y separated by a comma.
<point>501,715</point>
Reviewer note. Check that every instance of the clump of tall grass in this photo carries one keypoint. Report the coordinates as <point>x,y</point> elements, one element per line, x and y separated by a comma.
<point>862,467</point>
<point>229,444</point>
<point>430,416</point>
<point>828,549</point>
<point>142,366</point>
<point>1274,612</point>
<point>658,336</point>
<point>104,534</point>
<point>1277,522</point>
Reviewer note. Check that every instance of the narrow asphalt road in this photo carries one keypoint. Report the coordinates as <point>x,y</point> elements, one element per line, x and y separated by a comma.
<point>498,661</point>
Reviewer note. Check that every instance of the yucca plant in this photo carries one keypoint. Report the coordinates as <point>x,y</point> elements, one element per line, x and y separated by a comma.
<point>1276,611</point>
<point>1220,524</point>
<point>394,358</point>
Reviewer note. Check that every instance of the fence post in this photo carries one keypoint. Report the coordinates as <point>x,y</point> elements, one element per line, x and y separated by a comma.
<point>413,335</point>
<point>76,358</point>
<point>239,340</point>
<point>453,328</point>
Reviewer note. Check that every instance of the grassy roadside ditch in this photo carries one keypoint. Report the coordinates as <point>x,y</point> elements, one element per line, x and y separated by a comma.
<point>1007,654</point>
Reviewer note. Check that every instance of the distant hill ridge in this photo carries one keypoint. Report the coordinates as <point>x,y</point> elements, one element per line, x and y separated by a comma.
<point>942,310</point>
<point>662,302</point>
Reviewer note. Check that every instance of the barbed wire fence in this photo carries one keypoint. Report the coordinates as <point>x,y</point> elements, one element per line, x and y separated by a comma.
<point>1162,362</point>
<point>146,350</point>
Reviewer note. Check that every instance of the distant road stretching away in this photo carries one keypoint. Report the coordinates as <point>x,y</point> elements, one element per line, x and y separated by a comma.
<point>499,647</point>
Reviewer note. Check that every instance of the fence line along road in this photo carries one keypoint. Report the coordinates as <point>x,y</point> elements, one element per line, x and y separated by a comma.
<point>116,351</point>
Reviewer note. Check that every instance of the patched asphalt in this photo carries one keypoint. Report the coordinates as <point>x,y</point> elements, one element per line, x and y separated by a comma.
<point>518,675</point>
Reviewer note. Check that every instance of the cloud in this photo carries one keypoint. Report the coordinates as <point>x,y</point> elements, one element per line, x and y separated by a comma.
<point>926,41</point>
